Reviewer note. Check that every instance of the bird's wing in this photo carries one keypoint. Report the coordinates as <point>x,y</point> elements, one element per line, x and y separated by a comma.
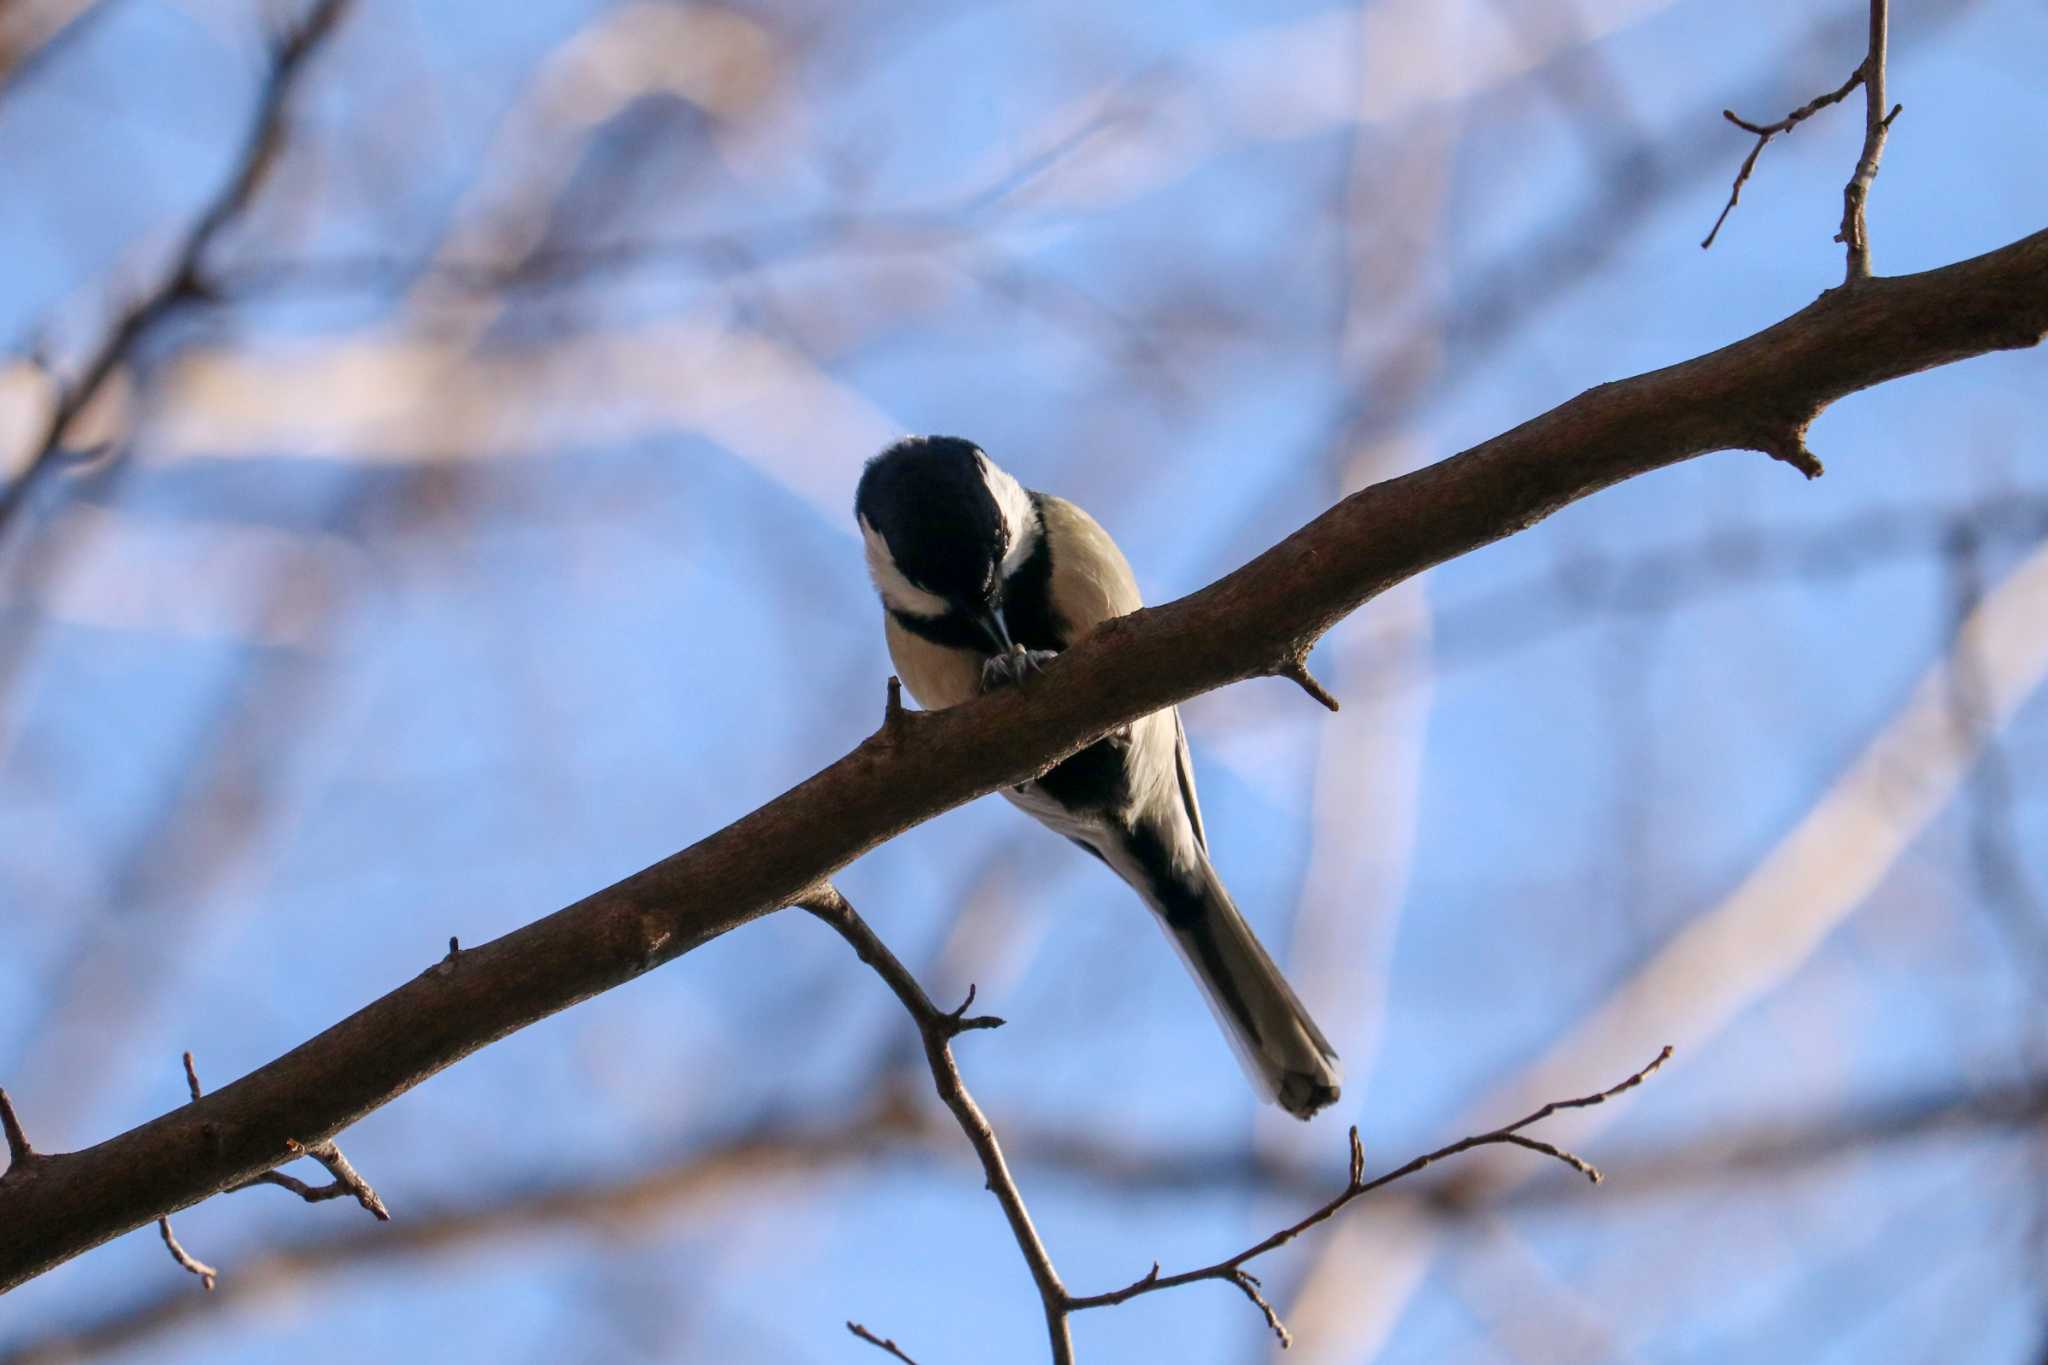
<point>1186,766</point>
<point>1092,583</point>
<point>1091,579</point>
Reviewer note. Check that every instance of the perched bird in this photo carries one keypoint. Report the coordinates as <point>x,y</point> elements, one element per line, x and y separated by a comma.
<point>983,580</point>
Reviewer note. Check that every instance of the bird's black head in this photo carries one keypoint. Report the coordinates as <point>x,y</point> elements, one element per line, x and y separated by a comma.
<point>943,525</point>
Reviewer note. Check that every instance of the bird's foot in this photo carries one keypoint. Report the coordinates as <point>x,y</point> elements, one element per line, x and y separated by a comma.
<point>1007,670</point>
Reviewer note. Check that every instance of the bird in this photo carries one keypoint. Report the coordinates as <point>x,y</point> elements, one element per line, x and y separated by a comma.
<point>982,582</point>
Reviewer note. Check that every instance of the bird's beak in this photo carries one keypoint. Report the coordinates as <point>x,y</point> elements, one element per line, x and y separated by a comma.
<point>990,619</point>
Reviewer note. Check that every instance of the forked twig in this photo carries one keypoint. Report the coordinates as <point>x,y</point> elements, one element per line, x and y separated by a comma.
<point>1877,122</point>
<point>1232,1269</point>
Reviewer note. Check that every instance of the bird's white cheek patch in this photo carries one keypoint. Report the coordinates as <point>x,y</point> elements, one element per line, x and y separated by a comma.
<point>1015,506</point>
<point>897,591</point>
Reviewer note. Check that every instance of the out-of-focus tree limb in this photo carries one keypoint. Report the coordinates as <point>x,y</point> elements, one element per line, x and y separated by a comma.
<point>30,30</point>
<point>645,1202</point>
<point>1759,393</point>
<point>182,280</point>
<point>1770,925</point>
<point>608,1207</point>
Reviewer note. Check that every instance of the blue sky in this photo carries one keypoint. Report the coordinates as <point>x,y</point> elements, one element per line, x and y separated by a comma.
<point>404,609</point>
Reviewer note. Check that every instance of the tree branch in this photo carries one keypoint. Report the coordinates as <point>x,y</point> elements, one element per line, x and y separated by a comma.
<point>32,32</point>
<point>880,1343</point>
<point>1232,1271</point>
<point>19,1154</point>
<point>346,1179</point>
<point>1855,233</point>
<point>1869,74</point>
<point>938,1028</point>
<point>208,1276</point>
<point>1758,394</point>
<point>1764,133</point>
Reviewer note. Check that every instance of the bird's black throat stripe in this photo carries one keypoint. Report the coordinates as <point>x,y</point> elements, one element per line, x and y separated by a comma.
<point>953,630</point>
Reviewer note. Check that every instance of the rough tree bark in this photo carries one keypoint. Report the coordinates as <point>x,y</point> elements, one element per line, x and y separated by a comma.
<point>1759,393</point>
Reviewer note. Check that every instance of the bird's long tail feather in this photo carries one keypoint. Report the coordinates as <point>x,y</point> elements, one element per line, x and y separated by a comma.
<point>1282,1051</point>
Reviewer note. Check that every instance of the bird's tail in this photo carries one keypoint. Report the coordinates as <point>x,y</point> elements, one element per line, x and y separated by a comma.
<point>1282,1051</point>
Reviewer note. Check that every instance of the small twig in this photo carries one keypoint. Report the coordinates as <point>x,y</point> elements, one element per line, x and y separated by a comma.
<point>1790,447</point>
<point>957,1021</point>
<point>1766,131</point>
<point>206,1273</point>
<point>1232,1269</point>
<point>1296,669</point>
<point>1877,122</point>
<point>19,1153</point>
<point>1249,1283</point>
<point>894,718</point>
<point>938,1028</point>
<point>447,963</point>
<point>884,1343</point>
<point>347,1180</point>
<point>1855,233</point>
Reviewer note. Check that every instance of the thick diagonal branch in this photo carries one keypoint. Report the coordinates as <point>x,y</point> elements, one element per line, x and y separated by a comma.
<point>1759,393</point>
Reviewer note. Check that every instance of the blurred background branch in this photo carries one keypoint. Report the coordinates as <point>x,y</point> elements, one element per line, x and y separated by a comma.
<point>33,31</point>
<point>184,277</point>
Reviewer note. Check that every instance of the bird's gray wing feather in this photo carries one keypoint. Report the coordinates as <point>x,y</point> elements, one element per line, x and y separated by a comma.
<point>1187,781</point>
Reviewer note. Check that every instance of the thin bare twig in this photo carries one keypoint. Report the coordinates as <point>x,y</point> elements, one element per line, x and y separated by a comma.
<point>885,1343</point>
<point>206,1273</point>
<point>894,717</point>
<point>1232,1270</point>
<point>938,1029</point>
<point>347,1180</point>
<point>19,1153</point>
<point>1855,233</point>
<point>1296,670</point>
<point>1766,131</point>
<point>183,281</point>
